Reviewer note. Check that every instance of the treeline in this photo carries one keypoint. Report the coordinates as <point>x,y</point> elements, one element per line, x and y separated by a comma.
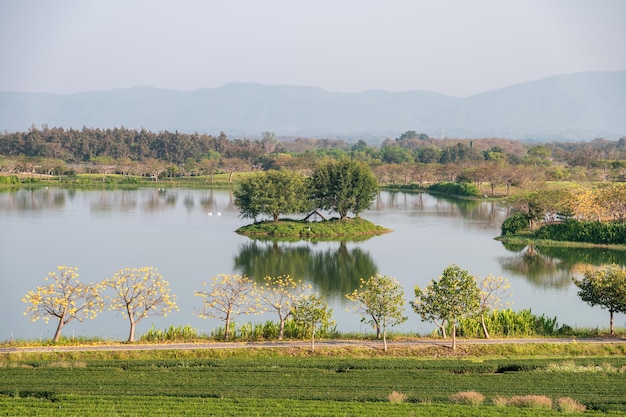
<point>411,158</point>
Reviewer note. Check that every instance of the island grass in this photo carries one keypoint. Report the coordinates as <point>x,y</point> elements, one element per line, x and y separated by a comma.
<point>351,228</point>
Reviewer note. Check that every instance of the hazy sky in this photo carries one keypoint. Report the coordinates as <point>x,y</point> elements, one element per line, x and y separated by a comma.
<point>453,47</point>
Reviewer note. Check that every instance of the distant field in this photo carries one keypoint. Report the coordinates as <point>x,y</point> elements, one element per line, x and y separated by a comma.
<point>297,383</point>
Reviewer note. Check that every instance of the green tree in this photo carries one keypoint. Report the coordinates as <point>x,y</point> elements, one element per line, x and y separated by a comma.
<point>447,299</point>
<point>279,294</point>
<point>139,293</point>
<point>343,186</point>
<point>605,288</point>
<point>272,193</point>
<point>229,297</point>
<point>65,299</point>
<point>312,313</point>
<point>380,302</point>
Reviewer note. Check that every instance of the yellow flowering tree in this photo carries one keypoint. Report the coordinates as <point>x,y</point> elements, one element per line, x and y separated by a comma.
<point>493,291</point>
<point>585,205</point>
<point>64,298</point>
<point>279,295</point>
<point>229,296</point>
<point>139,293</point>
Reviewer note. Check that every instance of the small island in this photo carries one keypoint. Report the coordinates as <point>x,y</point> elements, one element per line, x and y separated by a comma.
<point>339,186</point>
<point>353,228</point>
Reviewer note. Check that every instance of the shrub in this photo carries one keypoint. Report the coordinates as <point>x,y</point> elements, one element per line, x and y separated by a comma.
<point>509,323</point>
<point>171,334</point>
<point>500,401</point>
<point>514,224</point>
<point>9,179</point>
<point>586,232</point>
<point>530,401</point>
<point>569,405</point>
<point>468,398</point>
<point>453,188</point>
<point>397,397</point>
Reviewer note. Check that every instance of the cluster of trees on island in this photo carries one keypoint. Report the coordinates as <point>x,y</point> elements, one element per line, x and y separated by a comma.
<point>446,301</point>
<point>342,186</point>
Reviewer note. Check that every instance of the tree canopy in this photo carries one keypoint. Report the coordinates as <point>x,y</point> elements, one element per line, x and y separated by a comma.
<point>343,186</point>
<point>453,295</point>
<point>605,288</point>
<point>272,193</point>
<point>380,302</point>
<point>64,298</point>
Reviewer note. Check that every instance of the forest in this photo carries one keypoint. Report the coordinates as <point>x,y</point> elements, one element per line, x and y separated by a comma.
<point>411,158</point>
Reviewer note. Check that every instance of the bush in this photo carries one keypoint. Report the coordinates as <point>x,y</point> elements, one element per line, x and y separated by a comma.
<point>499,401</point>
<point>530,401</point>
<point>514,224</point>
<point>9,179</point>
<point>602,233</point>
<point>453,188</point>
<point>468,398</point>
<point>397,397</point>
<point>172,333</point>
<point>509,323</point>
<point>129,180</point>
<point>569,405</point>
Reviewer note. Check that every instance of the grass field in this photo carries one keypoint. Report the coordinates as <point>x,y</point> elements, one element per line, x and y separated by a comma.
<point>295,382</point>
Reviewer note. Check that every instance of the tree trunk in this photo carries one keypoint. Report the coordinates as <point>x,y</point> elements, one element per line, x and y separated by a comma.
<point>385,339</point>
<point>57,334</point>
<point>482,322</point>
<point>227,326</point>
<point>454,335</point>
<point>612,328</point>
<point>131,334</point>
<point>377,332</point>
<point>281,330</point>
<point>313,340</point>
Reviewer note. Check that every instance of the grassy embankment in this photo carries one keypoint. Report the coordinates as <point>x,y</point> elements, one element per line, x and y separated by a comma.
<point>515,380</point>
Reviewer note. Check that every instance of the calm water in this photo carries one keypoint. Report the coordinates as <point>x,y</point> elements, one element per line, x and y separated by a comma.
<point>189,236</point>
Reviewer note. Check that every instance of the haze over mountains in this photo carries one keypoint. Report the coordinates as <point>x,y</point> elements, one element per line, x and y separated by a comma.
<point>578,106</point>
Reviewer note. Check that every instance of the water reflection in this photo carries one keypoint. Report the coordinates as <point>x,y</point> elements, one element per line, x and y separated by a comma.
<point>554,267</point>
<point>333,268</point>
<point>488,213</point>
<point>24,200</point>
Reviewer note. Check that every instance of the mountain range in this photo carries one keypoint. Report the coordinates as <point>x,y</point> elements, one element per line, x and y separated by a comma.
<point>576,106</point>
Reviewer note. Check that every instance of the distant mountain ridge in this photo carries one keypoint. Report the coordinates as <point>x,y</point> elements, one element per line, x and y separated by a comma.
<point>572,106</point>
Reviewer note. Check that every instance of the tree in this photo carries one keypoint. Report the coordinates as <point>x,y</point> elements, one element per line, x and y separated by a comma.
<point>605,288</point>
<point>447,299</point>
<point>492,291</point>
<point>65,299</point>
<point>229,297</point>
<point>343,185</point>
<point>311,313</point>
<point>280,294</point>
<point>380,302</point>
<point>139,293</point>
<point>272,193</point>
<point>613,201</point>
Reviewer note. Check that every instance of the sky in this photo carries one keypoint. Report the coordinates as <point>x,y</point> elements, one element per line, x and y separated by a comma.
<point>453,47</point>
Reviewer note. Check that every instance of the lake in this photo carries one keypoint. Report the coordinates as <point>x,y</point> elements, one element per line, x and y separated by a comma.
<point>189,235</point>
